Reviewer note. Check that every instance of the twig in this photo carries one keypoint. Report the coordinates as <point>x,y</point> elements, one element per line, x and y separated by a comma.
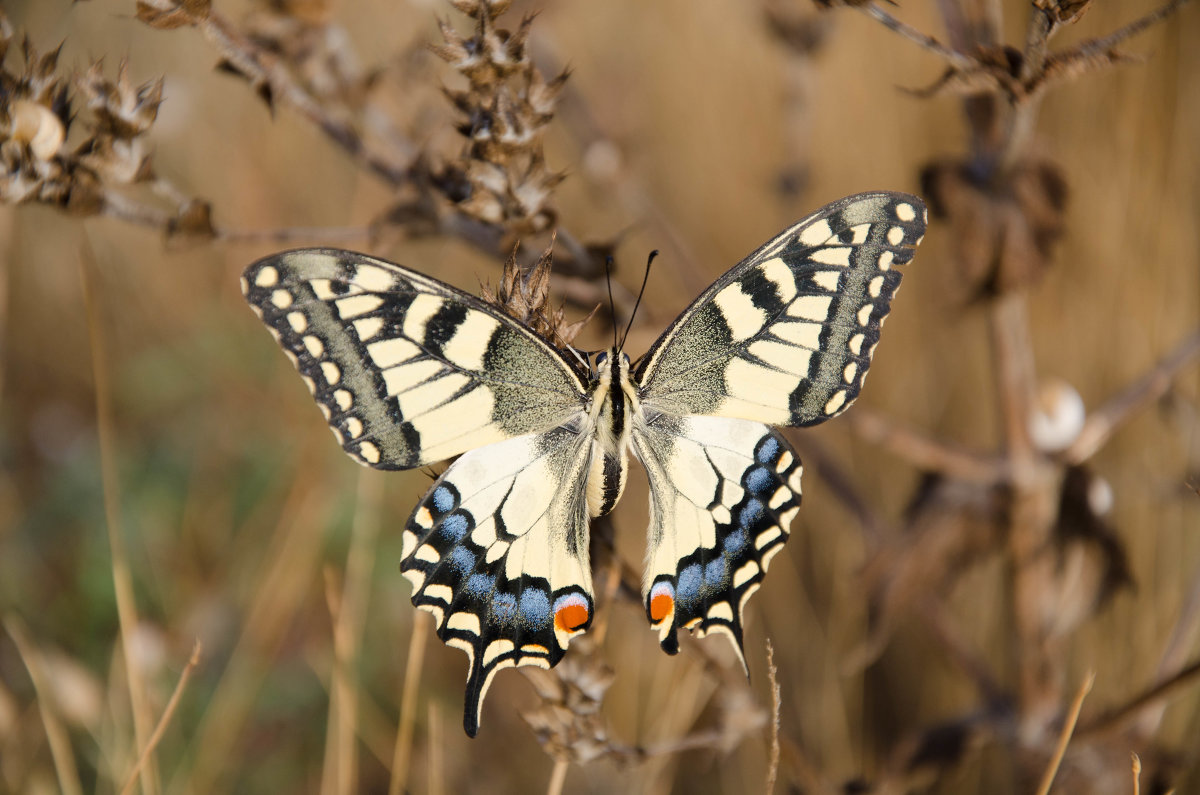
<point>926,453</point>
<point>56,733</point>
<point>1136,766</point>
<point>437,764</point>
<point>1106,43</point>
<point>165,720</point>
<point>1113,718</point>
<point>954,57</point>
<point>776,704</point>
<point>1064,737</point>
<point>127,613</point>
<point>1102,423</point>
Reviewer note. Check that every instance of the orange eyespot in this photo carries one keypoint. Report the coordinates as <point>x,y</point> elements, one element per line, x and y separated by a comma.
<point>571,617</point>
<point>661,605</point>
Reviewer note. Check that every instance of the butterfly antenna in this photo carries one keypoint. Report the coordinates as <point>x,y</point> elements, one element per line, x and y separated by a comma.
<point>638,302</point>
<point>612,305</point>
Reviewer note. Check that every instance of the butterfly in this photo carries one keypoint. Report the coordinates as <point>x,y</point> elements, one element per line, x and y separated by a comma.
<point>409,371</point>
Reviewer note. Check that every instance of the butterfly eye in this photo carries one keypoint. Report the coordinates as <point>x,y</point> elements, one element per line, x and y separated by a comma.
<point>601,359</point>
<point>625,358</point>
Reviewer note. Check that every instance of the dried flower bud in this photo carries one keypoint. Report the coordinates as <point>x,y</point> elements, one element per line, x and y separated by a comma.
<point>36,126</point>
<point>1058,416</point>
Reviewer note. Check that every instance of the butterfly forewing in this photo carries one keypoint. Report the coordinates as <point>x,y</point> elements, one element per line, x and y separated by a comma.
<point>786,336</point>
<point>407,370</point>
<point>498,552</point>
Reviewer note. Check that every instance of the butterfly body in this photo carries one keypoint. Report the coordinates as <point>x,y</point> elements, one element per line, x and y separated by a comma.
<point>408,371</point>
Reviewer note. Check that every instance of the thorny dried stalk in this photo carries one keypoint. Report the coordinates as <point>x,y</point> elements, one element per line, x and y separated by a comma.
<point>1035,501</point>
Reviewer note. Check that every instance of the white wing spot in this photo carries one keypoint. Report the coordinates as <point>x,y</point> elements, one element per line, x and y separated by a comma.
<point>860,232</point>
<point>332,373</point>
<point>721,611</point>
<point>354,427</point>
<point>268,276</point>
<point>389,353</point>
<point>325,412</point>
<point>864,314</point>
<point>722,515</point>
<point>282,299</point>
<point>806,335</point>
<point>745,574</point>
<point>895,236</point>
<point>357,305</point>
<point>780,496</point>
<point>470,341</point>
<point>422,308</point>
<point>442,593</point>
<point>784,462</point>
<point>856,344</point>
<point>311,384</point>
<point>315,347</point>
<point>245,286</point>
<point>323,289</point>
<point>337,435</point>
<point>794,485</point>
<point>905,211</point>
<point>816,233</point>
<point>781,356</point>
<point>368,327</point>
<point>741,315</point>
<point>344,400</point>
<point>465,622</point>
<point>766,537</point>
<point>423,518</point>
<point>778,273</point>
<point>849,373</point>
<point>827,280</point>
<point>836,402</point>
<point>298,322</point>
<point>885,260</point>
<point>835,255</point>
<point>495,649</point>
<point>875,286</point>
<point>373,278</point>
<point>811,307</point>
<point>408,542</point>
<point>369,453</point>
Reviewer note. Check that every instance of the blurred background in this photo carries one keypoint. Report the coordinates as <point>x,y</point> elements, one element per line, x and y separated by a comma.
<point>145,412</point>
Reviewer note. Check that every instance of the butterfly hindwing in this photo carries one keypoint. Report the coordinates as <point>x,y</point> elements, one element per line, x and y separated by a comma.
<point>407,370</point>
<point>723,493</point>
<point>787,335</point>
<point>498,551</point>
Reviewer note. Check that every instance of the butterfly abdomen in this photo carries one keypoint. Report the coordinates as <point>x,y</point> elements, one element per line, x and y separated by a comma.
<point>613,401</point>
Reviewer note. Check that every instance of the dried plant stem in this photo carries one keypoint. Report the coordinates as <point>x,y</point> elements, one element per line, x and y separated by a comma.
<point>437,764</point>
<point>1064,737</point>
<point>1136,767</point>
<point>349,611</point>
<point>1104,421</point>
<point>776,705</point>
<point>923,452</point>
<point>264,69</point>
<point>1106,43</point>
<point>558,777</point>
<point>1114,718</point>
<point>165,720</point>
<point>127,613</point>
<point>56,734</point>
<point>421,630</point>
<point>953,57</point>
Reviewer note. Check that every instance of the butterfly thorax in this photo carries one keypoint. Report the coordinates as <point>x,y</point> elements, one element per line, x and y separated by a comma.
<point>613,402</point>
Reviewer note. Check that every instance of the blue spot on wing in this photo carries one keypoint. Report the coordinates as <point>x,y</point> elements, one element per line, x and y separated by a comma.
<point>714,572</point>
<point>479,585</point>
<point>453,528</point>
<point>462,561</point>
<point>533,608</point>
<point>504,606</point>
<point>443,499</point>
<point>758,480</point>
<point>750,513</point>
<point>768,450</point>
<point>734,542</point>
<point>688,588</point>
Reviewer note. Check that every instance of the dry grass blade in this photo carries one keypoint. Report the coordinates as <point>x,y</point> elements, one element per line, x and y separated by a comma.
<point>56,734</point>
<point>122,576</point>
<point>165,720</point>
<point>1064,737</point>
<point>776,703</point>
<point>422,627</point>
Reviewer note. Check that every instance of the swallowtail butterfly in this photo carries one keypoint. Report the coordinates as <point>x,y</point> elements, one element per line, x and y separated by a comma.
<point>409,371</point>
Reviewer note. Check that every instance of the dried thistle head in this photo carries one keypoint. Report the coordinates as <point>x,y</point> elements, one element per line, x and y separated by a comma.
<point>525,296</point>
<point>568,722</point>
<point>501,177</point>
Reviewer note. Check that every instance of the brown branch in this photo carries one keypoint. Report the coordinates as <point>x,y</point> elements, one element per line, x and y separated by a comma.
<point>1107,43</point>
<point>1103,423</point>
<point>926,453</point>
<point>952,56</point>
<point>1064,737</point>
<point>1114,718</point>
